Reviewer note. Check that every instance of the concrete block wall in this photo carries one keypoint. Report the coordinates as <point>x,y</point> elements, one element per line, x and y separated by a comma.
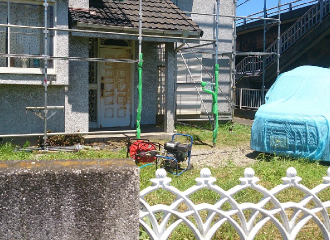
<point>69,199</point>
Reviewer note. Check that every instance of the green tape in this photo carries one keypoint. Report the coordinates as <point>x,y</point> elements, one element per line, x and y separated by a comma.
<point>139,110</point>
<point>214,102</point>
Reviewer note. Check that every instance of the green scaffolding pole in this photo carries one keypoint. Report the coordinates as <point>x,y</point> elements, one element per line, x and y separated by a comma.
<point>214,101</point>
<point>139,110</point>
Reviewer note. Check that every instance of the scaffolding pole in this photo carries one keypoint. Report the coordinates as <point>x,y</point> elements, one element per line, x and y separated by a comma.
<point>233,64</point>
<point>140,34</point>
<point>214,87</point>
<point>45,68</point>
<point>264,58</point>
<point>111,33</point>
<point>278,38</point>
<point>139,110</point>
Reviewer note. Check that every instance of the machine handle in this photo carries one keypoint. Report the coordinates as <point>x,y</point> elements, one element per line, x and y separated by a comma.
<point>181,134</point>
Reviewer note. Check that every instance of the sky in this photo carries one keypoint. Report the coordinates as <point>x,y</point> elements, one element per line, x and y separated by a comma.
<point>253,6</point>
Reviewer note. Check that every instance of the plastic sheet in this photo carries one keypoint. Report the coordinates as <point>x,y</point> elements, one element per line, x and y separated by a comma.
<point>294,121</point>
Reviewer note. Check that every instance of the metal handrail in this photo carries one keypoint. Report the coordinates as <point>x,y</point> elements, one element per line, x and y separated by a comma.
<point>304,24</point>
<point>248,98</point>
<point>286,7</point>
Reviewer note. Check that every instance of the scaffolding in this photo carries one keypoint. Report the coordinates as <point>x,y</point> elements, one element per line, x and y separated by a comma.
<point>212,88</point>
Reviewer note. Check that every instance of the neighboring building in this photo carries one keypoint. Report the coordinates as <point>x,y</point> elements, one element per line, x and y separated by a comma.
<point>304,40</point>
<point>192,102</point>
<point>94,94</point>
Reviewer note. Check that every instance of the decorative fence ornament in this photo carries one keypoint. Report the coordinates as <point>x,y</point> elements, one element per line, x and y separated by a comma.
<point>246,228</point>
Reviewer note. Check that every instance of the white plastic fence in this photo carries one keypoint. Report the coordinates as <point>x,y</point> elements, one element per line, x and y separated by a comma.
<point>289,227</point>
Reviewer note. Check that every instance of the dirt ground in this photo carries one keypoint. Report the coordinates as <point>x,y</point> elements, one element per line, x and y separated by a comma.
<point>207,156</point>
<point>240,155</point>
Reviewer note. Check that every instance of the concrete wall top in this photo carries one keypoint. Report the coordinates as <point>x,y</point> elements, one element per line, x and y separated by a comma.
<point>69,199</point>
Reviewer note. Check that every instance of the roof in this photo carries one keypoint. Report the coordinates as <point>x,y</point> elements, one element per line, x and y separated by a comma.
<point>158,15</point>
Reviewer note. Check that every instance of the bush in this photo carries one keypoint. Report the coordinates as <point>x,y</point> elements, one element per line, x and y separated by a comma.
<point>62,140</point>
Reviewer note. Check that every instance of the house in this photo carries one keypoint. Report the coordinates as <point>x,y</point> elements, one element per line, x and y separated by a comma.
<point>92,68</point>
<point>192,102</point>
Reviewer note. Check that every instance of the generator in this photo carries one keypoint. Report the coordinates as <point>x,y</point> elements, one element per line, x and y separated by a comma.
<point>169,156</point>
<point>176,153</point>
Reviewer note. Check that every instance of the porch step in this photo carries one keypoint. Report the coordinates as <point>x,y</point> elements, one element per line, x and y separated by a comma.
<point>118,136</point>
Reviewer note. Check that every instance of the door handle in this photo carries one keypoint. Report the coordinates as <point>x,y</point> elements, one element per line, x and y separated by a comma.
<point>102,89</point>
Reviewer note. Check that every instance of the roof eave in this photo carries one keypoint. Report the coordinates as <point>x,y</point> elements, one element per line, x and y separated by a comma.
<point>166,33</point>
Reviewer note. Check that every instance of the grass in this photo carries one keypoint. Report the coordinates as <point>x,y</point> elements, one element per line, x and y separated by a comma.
<point>270,173</point>
<point>228,134</point>
<point>9,151</point>
<point>269,169</point>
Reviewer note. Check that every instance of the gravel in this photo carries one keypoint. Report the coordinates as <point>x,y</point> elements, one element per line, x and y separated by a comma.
<point>240,155</point>
<point>214,157</point>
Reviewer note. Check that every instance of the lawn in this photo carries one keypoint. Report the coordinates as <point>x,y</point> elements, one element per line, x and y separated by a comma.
<point>269,169</point>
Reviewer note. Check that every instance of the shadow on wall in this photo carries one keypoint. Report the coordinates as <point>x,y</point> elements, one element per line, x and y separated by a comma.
<point>184,5</point>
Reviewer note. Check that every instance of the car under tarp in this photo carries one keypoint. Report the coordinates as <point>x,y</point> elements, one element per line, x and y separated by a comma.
<point>294,121</point>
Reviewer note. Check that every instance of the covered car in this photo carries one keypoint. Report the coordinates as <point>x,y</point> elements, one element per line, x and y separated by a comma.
<point>294,121</point>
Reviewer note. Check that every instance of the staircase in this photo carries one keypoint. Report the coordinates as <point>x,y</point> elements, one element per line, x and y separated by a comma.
<point>252,65</point>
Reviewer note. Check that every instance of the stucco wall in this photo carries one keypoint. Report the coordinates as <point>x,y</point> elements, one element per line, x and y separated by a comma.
<point>18,91</point>
<point>76,99</point>
<point>13,117</point>
<point>79,3</point>
<point>149,89</point>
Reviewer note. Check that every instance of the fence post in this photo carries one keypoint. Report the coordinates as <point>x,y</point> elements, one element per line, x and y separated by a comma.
<point>240,98</point>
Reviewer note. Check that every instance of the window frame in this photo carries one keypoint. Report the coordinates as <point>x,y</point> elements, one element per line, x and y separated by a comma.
<point>40,70</point>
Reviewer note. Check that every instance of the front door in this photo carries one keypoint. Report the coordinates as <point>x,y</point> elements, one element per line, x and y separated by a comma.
<point>115,90</point>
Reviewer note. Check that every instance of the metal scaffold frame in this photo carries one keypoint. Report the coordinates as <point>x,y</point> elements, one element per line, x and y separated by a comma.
<point>213,89</point>
<point>46,57</point>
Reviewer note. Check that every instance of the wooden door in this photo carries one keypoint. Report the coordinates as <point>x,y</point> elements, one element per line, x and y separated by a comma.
<point>115,90</point>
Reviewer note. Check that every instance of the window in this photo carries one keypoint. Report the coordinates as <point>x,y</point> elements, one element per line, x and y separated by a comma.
<point>25,40</point>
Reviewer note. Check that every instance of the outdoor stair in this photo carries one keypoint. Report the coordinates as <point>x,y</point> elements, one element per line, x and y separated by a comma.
<point>306,32</point>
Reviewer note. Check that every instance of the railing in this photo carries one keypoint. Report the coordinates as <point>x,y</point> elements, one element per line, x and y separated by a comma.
<point>305,23</point>
<point>249,66</point>
<point>273,11</point>
<point>248,98</point>
<point>246,226</point>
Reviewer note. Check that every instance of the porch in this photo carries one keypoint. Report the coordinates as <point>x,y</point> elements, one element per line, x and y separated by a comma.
<point>150,132</point>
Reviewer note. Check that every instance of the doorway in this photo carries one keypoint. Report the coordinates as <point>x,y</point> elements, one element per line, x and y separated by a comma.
<point>115,108</point>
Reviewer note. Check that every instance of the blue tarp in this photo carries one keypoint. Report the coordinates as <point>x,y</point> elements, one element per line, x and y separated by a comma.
<point>294,121</point>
